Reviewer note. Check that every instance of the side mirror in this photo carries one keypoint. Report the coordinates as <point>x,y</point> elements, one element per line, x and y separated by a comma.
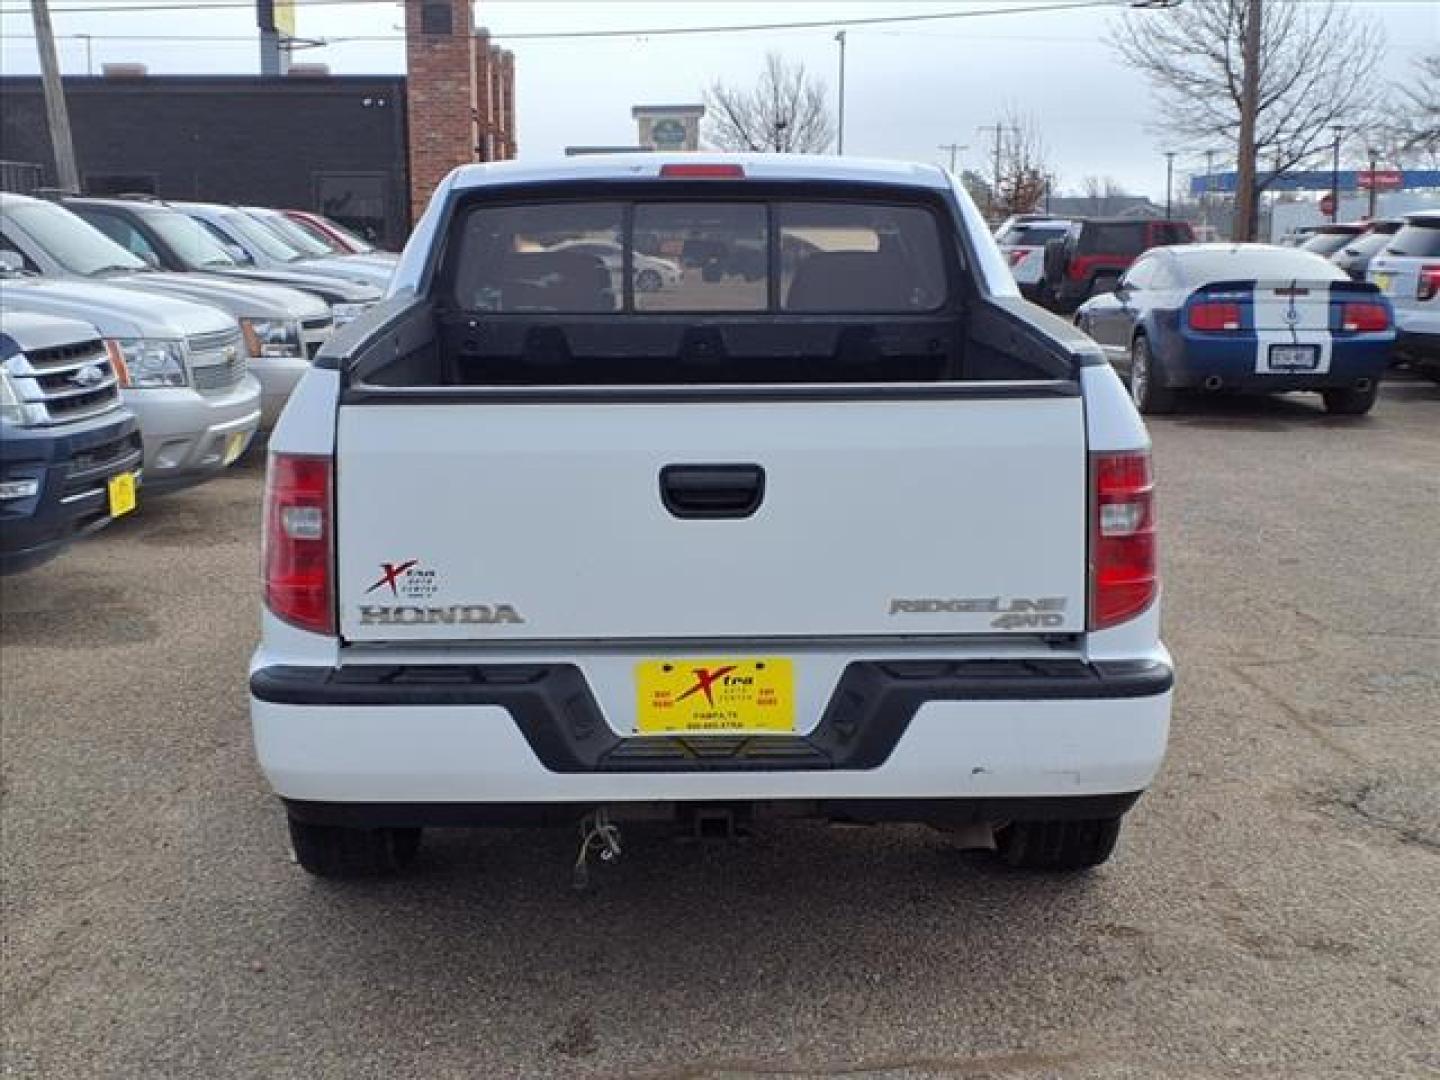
<point>12,262</point>
<point>151,259</point>
<point>239,254</point>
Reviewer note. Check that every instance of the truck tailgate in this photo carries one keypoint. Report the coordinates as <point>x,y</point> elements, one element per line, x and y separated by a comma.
<point>558,521</point>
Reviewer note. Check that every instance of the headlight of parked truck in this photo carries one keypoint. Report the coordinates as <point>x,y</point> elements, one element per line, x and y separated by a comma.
<point>273,337</point>
<point>148,362</point>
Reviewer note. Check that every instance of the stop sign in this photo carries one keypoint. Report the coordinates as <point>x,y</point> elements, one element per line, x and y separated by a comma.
<point>1327,204</point>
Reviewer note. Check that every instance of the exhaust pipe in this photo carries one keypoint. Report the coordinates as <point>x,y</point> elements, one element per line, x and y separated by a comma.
<point>1213,382</point>
<point>1362,385</point>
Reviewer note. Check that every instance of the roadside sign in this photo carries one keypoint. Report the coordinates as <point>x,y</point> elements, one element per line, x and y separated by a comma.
<point>1380,179</point>
<point>1327,204</point>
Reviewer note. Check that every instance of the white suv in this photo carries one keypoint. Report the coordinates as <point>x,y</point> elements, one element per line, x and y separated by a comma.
<point>1023,240</point>
<point>1408,272</point>
<point>855,534</point>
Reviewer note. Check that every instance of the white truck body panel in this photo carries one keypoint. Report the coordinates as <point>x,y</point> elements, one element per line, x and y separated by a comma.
<point>555,509</point>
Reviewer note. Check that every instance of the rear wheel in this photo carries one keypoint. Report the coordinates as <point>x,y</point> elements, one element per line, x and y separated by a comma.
<point>1349,401</point>
<point>1147,386</point>
<point>1057,845</point>
<point>334,852</point>
<point>647,279</point>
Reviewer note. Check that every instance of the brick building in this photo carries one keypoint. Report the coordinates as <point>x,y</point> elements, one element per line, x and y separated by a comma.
<point>461,93</point>
<point>367,150</point>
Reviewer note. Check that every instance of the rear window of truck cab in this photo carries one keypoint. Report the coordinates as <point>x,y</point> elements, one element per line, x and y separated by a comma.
<point>699,257</point>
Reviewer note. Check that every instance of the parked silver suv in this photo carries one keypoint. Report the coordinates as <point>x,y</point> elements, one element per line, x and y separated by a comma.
<point>182,364</point>
<point>282,327</point>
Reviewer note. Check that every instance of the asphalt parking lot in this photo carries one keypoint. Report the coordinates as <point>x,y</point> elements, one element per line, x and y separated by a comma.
<point>1272,910</point>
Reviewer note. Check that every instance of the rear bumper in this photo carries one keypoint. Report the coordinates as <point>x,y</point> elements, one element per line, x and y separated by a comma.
<point>533,734</point>
<point>1194,360</point>
<point>1419,344</point>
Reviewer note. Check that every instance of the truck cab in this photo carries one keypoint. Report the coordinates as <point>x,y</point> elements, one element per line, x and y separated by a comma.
<point>849,531</point>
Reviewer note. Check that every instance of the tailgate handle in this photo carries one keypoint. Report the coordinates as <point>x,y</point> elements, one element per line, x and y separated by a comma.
<point>712,491</point>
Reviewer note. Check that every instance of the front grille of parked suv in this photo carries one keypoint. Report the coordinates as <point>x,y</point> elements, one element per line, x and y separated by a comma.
<point>66,382</point>
<point>218,360</point>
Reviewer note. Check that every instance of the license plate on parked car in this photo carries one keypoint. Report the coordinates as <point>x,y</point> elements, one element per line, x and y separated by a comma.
<point>234,446</point>
<point>120,490</point>
<point>1294,357</point>
<point>1384,281</point>
<point>719,696</point>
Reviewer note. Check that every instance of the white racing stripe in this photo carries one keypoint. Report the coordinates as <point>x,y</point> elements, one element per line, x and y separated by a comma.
<point>1291,320</point>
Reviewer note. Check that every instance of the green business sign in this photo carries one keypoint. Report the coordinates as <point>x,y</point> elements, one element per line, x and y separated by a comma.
<point>668,134</point>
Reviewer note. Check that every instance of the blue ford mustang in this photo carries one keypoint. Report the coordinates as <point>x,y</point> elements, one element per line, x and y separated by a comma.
<point>1243,317</point>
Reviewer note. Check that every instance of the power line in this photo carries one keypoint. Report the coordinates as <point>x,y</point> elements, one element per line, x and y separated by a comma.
<point>663,31</point>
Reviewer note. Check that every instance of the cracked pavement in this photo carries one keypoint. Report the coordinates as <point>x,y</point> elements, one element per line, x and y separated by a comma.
<point>1271,911</point>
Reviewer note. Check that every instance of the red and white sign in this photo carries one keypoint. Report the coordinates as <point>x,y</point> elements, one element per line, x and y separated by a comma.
<point>1381,179</point>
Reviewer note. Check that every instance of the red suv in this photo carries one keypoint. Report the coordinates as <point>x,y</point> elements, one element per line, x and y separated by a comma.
<point>1091,260</point>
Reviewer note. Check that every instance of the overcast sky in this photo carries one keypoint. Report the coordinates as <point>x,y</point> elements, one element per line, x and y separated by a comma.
<point>909,88</point>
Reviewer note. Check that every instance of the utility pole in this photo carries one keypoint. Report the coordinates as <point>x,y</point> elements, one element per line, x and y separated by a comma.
<point>1209,172</point>
<point>999,129</point>
<point>1374,188</point>
<point>1169,181</point>
<point>954,149</point>
<point>840,140</point>
<point>1335,175</point>
<point>66,175</point>
<point>1245,164</point>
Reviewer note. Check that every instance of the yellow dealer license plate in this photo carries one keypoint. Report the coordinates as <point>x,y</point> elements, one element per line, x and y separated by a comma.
<point>1383,281</point>
<point>715,695</point>
<point>234,446</point>
<point>121,489</point>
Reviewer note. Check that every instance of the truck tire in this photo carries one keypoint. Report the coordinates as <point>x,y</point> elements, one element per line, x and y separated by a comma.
<point>1348,401</point>
<point>1147,389</point>
<point>1057,845</point>
<point>331,851</point>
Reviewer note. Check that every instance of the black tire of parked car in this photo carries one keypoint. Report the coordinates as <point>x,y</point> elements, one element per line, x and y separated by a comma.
<point>1347,401</point>
<point>332,851</point>
<point>1147,389</point>
<point>1057,845</point>
<point>647,279</point>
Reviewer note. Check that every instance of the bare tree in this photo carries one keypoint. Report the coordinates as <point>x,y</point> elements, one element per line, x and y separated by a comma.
<point>1024,174</point>
<point>1314,63</point>
<point>786,111</point>
<point>1409,125</point>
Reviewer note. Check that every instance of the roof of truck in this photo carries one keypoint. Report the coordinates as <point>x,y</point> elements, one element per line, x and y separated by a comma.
<point>756,166</point>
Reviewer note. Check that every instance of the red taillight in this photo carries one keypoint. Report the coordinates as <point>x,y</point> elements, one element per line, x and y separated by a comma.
<point>298,553</point>
<point>703,171</point>
<point>1364,317</point>
<point>1429,283</point>
<point>1124,572</point>
<point>1214,316</point>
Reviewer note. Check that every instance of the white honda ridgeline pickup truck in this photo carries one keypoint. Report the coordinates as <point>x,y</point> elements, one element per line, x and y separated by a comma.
<point>830,524</point>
